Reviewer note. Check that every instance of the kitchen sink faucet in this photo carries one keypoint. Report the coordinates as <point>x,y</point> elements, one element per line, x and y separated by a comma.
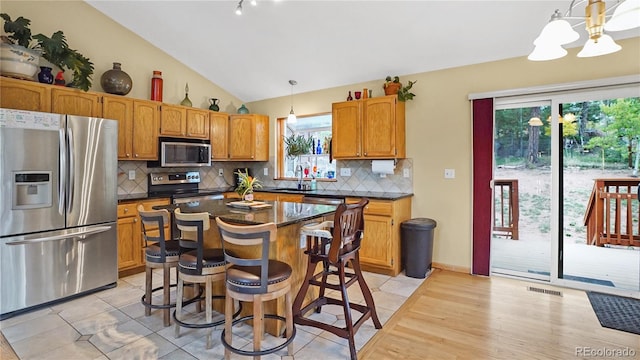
<point>298,173</point>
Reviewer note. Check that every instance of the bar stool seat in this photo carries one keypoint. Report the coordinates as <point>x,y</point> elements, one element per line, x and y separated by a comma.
<point>159,253</point>
<point>335,245</point>
<point>253,277</point>
<point>199,266</point>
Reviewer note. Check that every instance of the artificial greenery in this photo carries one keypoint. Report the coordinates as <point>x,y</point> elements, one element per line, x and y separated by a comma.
<point>54,49</point>
<point>404,92</point>
<point>298,145</point>
<point>246,183</point>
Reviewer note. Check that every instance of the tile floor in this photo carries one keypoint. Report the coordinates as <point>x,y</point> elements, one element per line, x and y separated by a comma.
<point>111,325</point>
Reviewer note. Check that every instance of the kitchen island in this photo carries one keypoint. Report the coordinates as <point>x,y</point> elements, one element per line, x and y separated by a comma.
<point>289,247</point>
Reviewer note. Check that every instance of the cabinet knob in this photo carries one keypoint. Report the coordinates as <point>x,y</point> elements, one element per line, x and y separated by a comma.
<point>135,220</point>
<point>136,155</point>
<point>128,154</point>
<point>365,154</point>
<point>126,210</point>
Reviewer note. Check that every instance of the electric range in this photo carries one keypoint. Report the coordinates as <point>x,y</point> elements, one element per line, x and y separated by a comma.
<point>180,187</point>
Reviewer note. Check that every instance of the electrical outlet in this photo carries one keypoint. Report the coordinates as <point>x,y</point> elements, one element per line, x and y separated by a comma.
<point>383,175</point>
<point>220,172</point>
<point>345,171</point>
<point>449,173</point>
<point>266,172</point>
<point>405,173</point>
<point>132,174</point>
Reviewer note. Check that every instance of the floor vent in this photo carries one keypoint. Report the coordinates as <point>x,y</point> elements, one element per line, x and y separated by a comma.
<point>544,291</point>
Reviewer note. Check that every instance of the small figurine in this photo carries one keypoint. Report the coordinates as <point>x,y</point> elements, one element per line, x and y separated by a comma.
<point>59,78</point>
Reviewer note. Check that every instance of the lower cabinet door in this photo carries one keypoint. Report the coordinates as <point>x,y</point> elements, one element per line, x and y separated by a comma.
<point>128,243</point>
<point>376,242</point>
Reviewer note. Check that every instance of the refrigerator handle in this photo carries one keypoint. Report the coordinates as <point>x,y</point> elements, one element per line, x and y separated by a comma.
<point>62,178</point>
<point>72,174</point>
<point>82,234</point>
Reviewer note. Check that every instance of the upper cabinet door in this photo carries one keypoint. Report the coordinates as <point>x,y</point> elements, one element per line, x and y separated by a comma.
<point>219,127</point>
<point>242,137</point>
<point>379,127</point>
<point>24,95</point>
<point>198,123</point>
<point>146,116</point>
<point>121,109</point>
<point>173,120</point>
<point>346,129</point>
<point>75,102</point>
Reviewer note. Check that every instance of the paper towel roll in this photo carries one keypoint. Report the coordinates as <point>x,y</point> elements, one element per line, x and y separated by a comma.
<point>383,166</point>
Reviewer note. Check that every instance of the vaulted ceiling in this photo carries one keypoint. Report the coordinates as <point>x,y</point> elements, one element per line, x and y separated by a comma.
<point>324,44</point>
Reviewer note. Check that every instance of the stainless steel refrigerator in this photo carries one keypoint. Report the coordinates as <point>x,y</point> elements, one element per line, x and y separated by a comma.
<point>58,207</point>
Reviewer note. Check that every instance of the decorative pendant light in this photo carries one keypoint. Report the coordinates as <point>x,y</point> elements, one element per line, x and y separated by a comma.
<point>292,116</point>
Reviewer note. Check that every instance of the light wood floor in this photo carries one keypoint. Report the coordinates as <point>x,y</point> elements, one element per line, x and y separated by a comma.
<point>459,316</point>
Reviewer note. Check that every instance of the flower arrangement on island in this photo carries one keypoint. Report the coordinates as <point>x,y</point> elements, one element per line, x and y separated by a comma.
<point>246,185</point>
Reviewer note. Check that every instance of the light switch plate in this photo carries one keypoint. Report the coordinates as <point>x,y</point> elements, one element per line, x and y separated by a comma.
<point>220,172</point>
<point>132,174</point>
<point>266,171</point>
<point>405,173</point>
<point>449,173</point>
<point>345,171</point>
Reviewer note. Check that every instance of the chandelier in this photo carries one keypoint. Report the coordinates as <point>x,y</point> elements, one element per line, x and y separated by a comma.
<point>558,32</point>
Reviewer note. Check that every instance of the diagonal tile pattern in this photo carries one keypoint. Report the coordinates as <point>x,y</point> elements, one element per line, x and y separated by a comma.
<point>111,325</point>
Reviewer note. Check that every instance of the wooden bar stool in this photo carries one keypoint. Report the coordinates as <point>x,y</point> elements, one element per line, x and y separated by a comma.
<point>199,266</point>
<point>335,248</point>
<point>159,253</point>
<point>253,277</point>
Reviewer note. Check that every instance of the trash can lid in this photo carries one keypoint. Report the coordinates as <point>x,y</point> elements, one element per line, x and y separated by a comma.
<point>419,223</point>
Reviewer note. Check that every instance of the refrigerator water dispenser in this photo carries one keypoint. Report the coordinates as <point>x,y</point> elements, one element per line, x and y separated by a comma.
<point>32,190</point>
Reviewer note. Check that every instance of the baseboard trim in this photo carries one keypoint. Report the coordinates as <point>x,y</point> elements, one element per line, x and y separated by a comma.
<point>455,268</point>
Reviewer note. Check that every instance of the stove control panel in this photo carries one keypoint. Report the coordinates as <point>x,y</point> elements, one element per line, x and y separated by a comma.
<point>189,177</point>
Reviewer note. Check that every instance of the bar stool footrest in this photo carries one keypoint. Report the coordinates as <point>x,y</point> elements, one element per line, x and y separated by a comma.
<point>338,331</point>
<point>261,352</point>
<point>205,325</point>
<point>170,305</point>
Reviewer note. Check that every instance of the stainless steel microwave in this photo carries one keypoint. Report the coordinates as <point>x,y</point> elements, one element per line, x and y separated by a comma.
<point>177,152</point>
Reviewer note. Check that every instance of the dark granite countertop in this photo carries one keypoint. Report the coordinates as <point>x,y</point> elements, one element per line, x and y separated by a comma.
<point>315,193</point>
<point>281,213</point>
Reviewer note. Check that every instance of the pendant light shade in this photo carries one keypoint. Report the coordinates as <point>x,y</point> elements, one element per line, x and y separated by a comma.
<point>547,52</point>
<point>601,46</point>
<point>557,31</point>
<point>625,17</point>
<point>292,116</point>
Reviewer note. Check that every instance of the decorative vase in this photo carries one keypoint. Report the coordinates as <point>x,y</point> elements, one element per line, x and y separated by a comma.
<point>214,104</point>
<point>116,81</point>
<point>156,86</point>
<point>243,110</point>
<point>186,101</point>
<point>248,197</point>
<point>45,76</point>
<point>59,80</point>
<point>391,88</point>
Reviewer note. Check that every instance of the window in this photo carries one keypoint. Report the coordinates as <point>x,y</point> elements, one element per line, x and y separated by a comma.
<point>315,130</point>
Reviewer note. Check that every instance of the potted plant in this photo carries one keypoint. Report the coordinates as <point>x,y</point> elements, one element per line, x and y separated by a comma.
<point>54,49</point>
<point>393,86</point>
<point>297,144</point>
<point>246,185</point>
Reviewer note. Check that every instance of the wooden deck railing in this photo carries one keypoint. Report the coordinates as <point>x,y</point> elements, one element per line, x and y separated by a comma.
<point>506,209</point>
<point>613,214</point>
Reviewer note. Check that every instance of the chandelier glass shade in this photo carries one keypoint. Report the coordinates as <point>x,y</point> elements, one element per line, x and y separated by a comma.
<point>292,116</point>
<point>558,32</point>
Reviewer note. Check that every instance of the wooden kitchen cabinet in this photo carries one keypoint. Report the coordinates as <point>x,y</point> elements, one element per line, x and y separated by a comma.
<point>219,133</point>
<point>131,258</point>
<point>381,245</point>
<point>24,95</point>
<point>137,126</point>
<point>372,128</point>
<point>248,137</point>
<point>180,121</point>
<point>75,102</point>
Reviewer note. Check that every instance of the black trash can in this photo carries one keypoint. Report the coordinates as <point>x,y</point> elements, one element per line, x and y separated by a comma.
<point>417,246</point>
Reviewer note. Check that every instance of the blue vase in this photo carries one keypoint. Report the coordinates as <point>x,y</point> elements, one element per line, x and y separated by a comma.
<point>45,76</point>
<point>243,110</point>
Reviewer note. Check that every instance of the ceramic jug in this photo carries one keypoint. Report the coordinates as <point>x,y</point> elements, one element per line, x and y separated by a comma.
<point>214,104</point>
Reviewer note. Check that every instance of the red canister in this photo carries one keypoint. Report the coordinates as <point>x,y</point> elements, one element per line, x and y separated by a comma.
<point>156,86</point>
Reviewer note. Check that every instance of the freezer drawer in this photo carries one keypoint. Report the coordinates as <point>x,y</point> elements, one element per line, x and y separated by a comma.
<point>44,267</point>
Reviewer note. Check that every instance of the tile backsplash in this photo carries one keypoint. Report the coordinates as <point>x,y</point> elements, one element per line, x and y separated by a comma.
<point>361,179</point>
